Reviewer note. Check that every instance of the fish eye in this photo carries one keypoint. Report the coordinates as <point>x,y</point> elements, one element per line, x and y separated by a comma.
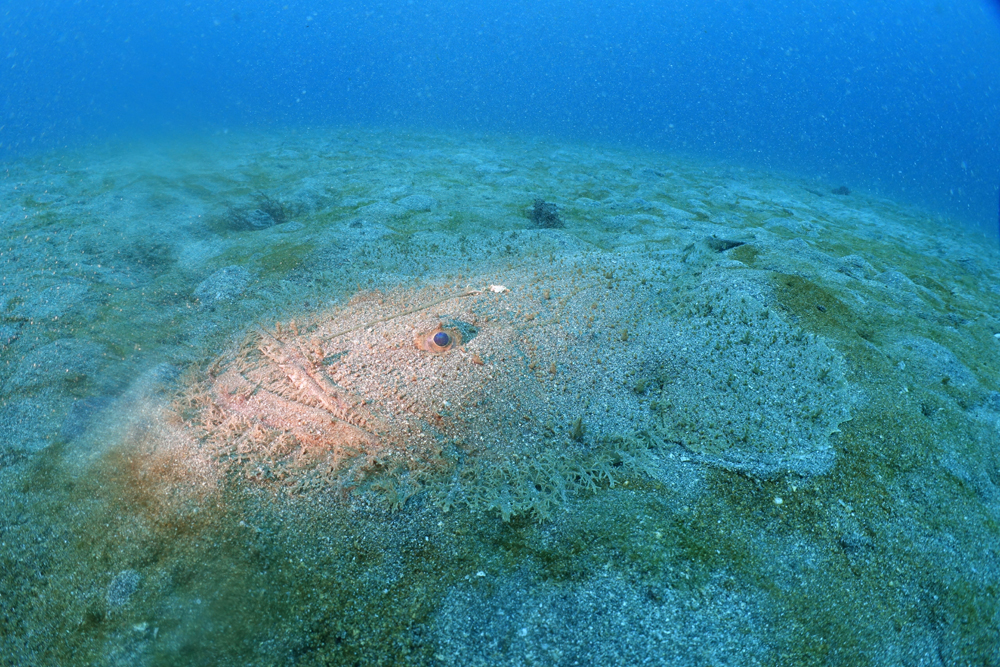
<point>438,339</point>
<point>441,339</point>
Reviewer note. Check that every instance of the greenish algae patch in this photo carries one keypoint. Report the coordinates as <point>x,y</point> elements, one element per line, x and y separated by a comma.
<point>281,257</point>
<point>273,260</point>
<point>819,309</point>
<point>825,310</point>
<point>746,253</point>
<point>142,318</point>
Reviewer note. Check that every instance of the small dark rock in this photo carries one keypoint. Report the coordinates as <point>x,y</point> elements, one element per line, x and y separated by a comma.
<point>656,594</point>
<point>545,215</point>
<point>855,542</point>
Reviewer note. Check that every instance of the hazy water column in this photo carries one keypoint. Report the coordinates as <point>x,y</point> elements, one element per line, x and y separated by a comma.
<point>900,98</point>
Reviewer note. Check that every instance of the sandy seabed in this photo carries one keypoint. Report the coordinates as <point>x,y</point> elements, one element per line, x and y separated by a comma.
<point>684,413</point>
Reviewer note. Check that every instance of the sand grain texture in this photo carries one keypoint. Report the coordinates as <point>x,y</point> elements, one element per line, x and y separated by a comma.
<point>563,375</point>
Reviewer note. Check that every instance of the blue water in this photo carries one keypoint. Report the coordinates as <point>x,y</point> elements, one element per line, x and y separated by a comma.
<point>899,98</point>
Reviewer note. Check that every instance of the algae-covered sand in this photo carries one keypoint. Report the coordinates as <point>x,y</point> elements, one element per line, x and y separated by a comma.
<point>376,397</point>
